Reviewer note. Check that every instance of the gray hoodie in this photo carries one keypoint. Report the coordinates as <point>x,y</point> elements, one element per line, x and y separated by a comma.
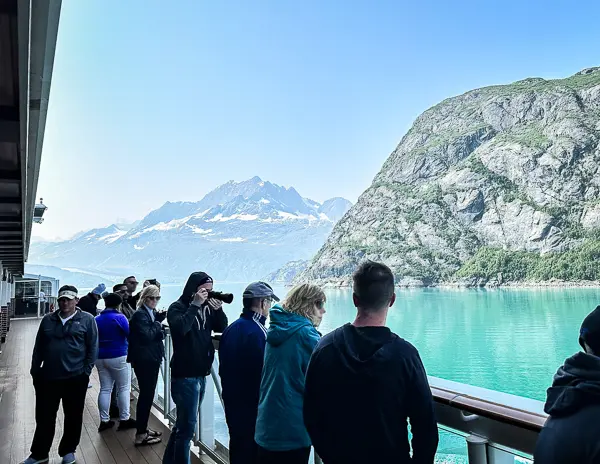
<point>65,351</point>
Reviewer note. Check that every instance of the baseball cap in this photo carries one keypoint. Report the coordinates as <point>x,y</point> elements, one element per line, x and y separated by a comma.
<point>259,290</point>
<point>67,292</point>
<point>590,331</point>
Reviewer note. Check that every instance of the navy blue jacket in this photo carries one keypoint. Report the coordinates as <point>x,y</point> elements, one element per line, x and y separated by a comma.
<point>241,354</point>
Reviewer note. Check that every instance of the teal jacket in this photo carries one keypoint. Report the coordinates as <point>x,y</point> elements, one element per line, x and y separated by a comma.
<point>291,340</point>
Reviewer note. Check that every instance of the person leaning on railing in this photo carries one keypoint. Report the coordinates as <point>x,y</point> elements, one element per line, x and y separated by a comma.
<point>146,353</point>
<point>572,432</point>
<point>364,382</point>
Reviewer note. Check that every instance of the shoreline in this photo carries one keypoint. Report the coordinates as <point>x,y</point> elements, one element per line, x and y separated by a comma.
<point>466,286</point>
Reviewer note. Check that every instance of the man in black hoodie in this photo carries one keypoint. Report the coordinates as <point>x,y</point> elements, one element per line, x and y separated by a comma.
<point>363,383</point>
<point>572,432</point>
<point>192,319</point>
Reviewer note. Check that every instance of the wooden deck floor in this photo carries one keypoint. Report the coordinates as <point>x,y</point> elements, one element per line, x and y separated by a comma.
<point>17,413</point>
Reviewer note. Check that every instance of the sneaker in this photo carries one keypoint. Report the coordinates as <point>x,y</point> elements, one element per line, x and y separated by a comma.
<point>69,459</point>
<point>153,433</point>
<point>31,460</point>
<point>146,439</point>
<point>106,425</point>
<point>127,424</point>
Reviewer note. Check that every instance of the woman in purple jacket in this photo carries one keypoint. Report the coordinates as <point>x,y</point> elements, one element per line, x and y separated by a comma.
<point>113,330</point>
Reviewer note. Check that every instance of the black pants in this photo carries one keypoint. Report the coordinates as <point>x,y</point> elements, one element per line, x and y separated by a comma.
<point>147,376</point>
<point>299,456</point>
<point>48,395</point>
<point>242,447</point>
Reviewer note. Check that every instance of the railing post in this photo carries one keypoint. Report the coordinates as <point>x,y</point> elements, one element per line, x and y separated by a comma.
<point>167,377</point>
<point>477,449</point>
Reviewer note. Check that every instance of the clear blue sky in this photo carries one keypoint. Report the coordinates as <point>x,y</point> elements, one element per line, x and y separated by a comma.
<point>154,101</point>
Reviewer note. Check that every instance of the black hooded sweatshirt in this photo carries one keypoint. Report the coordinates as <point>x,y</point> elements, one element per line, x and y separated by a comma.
<point>572,432</point>
<point>362,385</point>
<point>191,330</point>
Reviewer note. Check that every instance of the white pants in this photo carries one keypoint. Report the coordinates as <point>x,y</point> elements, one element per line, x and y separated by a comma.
<point>111,371</point>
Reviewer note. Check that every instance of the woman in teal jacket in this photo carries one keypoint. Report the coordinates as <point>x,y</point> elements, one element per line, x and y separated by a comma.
<point>291,339</point>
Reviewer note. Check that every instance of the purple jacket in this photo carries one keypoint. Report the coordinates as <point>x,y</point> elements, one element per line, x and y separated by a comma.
<point>113,330</point>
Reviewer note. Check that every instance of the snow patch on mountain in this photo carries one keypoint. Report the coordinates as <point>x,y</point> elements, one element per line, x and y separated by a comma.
<point>239,231</point>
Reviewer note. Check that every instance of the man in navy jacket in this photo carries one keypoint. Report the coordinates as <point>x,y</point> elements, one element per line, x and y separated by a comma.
<point>241,353</point>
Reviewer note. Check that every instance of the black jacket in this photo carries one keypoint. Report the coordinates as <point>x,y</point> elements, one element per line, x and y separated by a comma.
<point>191,330</point>
<point>127,310</point>
<point>65,351</point>
<point>572,433</point>
<point>362,385</point>
<point>145,339</point>
<point>133,300</point>
<point>89,304</point>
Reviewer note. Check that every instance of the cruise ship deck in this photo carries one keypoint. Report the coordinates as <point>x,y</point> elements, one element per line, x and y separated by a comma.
<point>17,413</point>
<point>496,427</point>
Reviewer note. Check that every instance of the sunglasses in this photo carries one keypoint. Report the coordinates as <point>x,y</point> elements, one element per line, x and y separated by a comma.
<point>154,298</point>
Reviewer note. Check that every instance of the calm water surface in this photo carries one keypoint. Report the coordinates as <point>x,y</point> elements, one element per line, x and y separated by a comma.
<point>506,340</point>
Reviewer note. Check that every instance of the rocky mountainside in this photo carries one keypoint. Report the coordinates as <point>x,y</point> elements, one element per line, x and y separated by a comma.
<point>499,184</point>
<point>238,232</point>
<point>288,272</point>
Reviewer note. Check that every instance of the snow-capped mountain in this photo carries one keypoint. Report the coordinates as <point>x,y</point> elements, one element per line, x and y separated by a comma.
<point>238,232</point>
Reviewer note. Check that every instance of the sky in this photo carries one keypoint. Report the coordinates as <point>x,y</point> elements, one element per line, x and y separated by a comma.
<point>155,101</point>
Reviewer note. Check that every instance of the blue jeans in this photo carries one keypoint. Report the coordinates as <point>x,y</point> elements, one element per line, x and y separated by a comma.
<point>187,394</point>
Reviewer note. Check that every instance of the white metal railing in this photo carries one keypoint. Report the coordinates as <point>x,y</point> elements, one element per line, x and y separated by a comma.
<point>496,427</point>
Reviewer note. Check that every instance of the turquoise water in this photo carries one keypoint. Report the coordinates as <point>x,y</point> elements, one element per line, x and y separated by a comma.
<point>506,340</point>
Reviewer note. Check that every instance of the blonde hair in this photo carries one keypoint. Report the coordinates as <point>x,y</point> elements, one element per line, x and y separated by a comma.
<point>150,290</point>
<point>301,300</point>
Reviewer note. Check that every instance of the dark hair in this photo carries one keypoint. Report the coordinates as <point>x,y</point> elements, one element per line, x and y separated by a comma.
<point>69,288</point>
<point>118,286</point>
<point>373,285</point>
<point>248,303</point>
<point>127,278</point>
<point>590,331</point>
<point>113,300</point>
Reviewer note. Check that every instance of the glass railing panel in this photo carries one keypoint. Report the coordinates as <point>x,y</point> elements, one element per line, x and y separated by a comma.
<point>452,448</point>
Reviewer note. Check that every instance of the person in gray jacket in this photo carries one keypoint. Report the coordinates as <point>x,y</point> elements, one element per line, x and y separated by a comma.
<point>66,348</point>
